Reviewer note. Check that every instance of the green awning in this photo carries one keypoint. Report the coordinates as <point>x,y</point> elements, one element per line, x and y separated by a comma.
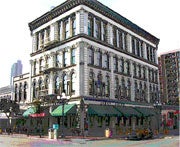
<point>29,111</point>
<point>103,110</point>
<point>146,111</point>
<point>128,111</point>
<point>68,109</point>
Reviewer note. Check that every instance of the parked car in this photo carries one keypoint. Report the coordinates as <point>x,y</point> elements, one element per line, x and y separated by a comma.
<point>143,134</point>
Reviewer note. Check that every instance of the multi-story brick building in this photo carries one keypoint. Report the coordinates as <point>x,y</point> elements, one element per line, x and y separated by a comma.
<point>100,60</point>
<point>169,73</point>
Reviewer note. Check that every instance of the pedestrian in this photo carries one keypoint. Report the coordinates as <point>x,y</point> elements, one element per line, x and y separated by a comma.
<point>40,129</point>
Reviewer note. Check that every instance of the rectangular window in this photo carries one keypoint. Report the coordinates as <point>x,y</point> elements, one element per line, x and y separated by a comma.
<point>73,56</point>
<point>73,26</point>
<point>65,59</point>
<point>91,56</point>
<point>67,29</point>
<point>90,25</point>
<point>98,28</point>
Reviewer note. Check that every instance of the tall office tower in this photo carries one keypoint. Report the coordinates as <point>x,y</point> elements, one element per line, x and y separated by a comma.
<point>16,70</point>
<point>169,74</point>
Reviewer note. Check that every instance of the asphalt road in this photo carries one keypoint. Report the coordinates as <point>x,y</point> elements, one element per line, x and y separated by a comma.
<point>15,141</point>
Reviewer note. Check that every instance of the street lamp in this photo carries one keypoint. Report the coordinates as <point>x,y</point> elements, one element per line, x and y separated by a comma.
<point>158,106</point>
<point>63,99</point>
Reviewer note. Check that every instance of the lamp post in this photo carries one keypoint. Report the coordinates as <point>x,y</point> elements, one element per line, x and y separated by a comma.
<point>63,99</point>
<point>158,106</point>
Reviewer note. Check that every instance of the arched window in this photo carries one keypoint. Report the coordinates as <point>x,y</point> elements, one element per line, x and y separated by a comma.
<point>16,92</point>
<point>34,68</point>
<point>107,86</point>
<point>46,84</point>
<point>99,84</point>
<point>20,92</point>
<point>116,87</point>
<point>57,85</point>
<point>25,91</point>
<point>129,88</point>
<point>65,83</point>
<point>91,83</point>
<point>73,80</point>
<point>34,88</point>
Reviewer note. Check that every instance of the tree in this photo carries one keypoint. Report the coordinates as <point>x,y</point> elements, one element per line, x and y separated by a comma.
<point>10,108</point>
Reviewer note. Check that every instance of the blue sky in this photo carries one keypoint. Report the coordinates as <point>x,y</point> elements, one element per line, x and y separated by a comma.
<point>159,17</point>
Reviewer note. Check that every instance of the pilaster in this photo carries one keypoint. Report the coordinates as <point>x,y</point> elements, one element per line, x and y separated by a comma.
<point>112,77</point>
<point>34,43</point>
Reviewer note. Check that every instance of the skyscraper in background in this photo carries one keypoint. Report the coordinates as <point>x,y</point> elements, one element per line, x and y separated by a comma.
<point>16,70</point>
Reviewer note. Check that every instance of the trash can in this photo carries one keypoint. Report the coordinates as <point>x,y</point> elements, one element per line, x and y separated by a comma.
<point>55,134</point>
<point>51,133</point>
<point>107,133</point>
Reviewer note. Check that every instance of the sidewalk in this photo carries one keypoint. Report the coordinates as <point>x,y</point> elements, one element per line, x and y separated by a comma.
<point>88,138</point>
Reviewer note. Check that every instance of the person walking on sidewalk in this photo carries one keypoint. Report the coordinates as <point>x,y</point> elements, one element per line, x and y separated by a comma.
<point>40,129</point>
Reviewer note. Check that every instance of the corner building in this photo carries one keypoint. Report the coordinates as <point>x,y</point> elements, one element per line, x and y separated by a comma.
<point>101,60</point>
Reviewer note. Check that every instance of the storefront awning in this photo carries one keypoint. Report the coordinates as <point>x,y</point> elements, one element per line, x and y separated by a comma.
<point>101,110</point>
<point>29,111</point>
<point>68,109</point>
<point>146,111</point>
<point>128,111</point>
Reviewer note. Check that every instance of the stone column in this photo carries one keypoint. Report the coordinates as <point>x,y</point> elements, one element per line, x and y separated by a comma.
<point>145,50</point>
<point>148,90</point>
<point>51,83</point>
<point>112,76</point>
<point>132,81</point>
<point>78,22</point>
<point>86,71</point>
<point>95,27</point>
<point>62,31</point>
<point>29,98</point>
<point>70,26</point>
<point>54,33</point>
<point>34,43</point>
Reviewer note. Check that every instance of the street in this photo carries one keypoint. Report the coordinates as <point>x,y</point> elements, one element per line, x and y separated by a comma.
<point>19,141</point>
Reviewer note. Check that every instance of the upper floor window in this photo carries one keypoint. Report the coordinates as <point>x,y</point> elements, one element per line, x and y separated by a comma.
<point>67,29</point>
<point>57,85</point>
<point>90,26</point>
<point>73,56</point>
<point>99,58</point>
<point>121,65</point>
<point>73,80</point>
<point>104,32</point>
<point>106,61</point>
<point>65,83</point>
<point>91,56</point>
<point>98,28</point>
<point>115,61</point>
<point>73,26</point>
<point>65,58</point>
<point>34,68</point>
<point>58,60</point>
<point>115,36</point>
<point>91,83</point>
<point>41,65</point>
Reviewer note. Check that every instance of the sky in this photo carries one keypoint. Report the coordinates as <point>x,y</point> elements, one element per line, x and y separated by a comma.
<point>161,18</point>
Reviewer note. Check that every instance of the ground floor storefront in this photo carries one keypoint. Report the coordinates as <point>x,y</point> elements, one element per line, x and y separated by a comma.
<point>91,118</point>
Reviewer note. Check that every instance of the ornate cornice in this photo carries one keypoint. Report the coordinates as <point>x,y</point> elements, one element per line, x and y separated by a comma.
<point>97,6</point>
